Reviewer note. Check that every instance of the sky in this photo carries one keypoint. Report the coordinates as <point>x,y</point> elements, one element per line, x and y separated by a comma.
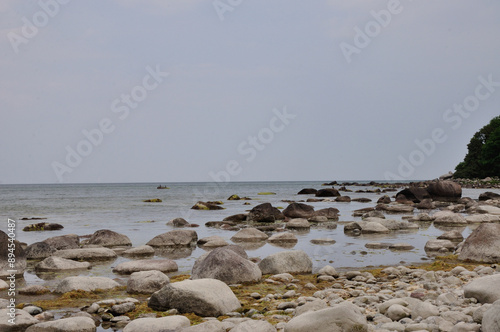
<point>239,90</point>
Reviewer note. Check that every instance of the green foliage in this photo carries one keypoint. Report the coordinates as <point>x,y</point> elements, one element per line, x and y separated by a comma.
<point>483,155</point>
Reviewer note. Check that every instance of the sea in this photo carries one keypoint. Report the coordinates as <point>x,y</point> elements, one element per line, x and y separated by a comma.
<point>83,209</point>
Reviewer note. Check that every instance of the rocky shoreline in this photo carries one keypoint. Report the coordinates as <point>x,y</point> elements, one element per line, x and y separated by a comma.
<point>229,291</point>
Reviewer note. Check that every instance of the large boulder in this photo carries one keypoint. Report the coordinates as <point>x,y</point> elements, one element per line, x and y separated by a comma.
<point>488,209</point>
<point>146,282</point>
<point>108,238</point>
<point>68,241</point>
<point>294,261</point>
<point>226,265</point>
<point>484,289</point>
<point>20,254</point>
<point>342,317</point>
<point>415,194</point>
<point>87,284</point>
<point>483,245</point>
<point>162,265</point>
<point>299,210</point>
<point>327,192</point>
<point>39,250</point>
<point>445,190</point>
<point>488,195</point>
<point>72,324</point>
<point>43,226</point>
<point>178,222</point>
<point>204,297</point>
<point>491,319</point>
<point>23,320</point>
<point>265,213</point>
<point>249,235</point>
<point>143,250</point>
<point>56,264</point>
<point>206,206</point>
<point>87,254</point>
<point>329,213</point>
<point>213,241</point>
<point>283,237</point>
<point>176,238</point>
<point>298,224</point>
<point>163,324</point>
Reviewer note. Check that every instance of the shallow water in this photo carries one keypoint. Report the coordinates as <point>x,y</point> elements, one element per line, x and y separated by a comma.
<point>84,208</point>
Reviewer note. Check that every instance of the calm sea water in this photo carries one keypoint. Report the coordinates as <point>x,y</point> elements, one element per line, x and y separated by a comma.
<point>84,208</point>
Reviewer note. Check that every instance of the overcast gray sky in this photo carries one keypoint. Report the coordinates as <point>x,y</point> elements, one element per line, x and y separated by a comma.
<point>243,90</point>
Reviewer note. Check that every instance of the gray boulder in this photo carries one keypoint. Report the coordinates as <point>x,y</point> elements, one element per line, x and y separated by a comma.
<point>178,222</point>
<point>108,238</point>
<point>68,241</point>
<point>204,297</point>
<point>87,254</point>
<point>163,265</point>
<point>298,223</point>
<point>210,326</point>
<point>342,317</point>
<point>72,324</point>
<point>265,213</point>
<point>249,235</point>
<point>484,289</point>
<point>164,324</point>
<point>445,190</point>
<point>23,320</point>
<point>87,284</point>
<point>299,210</point>
<point>20,264</point>
<point>143,250</point>
<point>491,319</point>
<point>226,265</point>
<point>294,261</point>
<point>254,326</point>
<point>213,241</point>
<point>175,238</point>
<point>39,250</point>
<point>54,264</point>
<point>284,237</point>
<point>330,213</point>
<point>146,282</point>
<point>483,245</point>
<point>437,245</point>
<point>449,218</point>
<point>488,209</point>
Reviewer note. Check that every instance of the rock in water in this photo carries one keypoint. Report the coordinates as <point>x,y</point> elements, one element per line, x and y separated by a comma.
<point>177,238</point>
<point>295,261</point>
<point>87,284</point>
<point>204,297</point>
<point>342,317</point>
<point>163,265</point>
<point>483,245</point>
<point>39,250</point>
<point>163,324</point>
<point>226,265</point>
<point>108,238</point>
<point>54,264</point>
<point>20,264</point>
<point>146,282</point>
<point>445,190</point>
<point>299,210</point>
<point>328,192</point>
<point>69,241</point>
<point>265,213</point>
<point>249,235</point>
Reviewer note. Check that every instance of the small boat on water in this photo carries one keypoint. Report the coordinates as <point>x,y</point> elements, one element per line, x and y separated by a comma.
<point>162,187</point>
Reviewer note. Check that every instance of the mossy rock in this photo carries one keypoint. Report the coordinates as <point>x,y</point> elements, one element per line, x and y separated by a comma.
<point>154,200</point>
<point>266,193</point>
<point>42,226</point>
<point>234,198</point>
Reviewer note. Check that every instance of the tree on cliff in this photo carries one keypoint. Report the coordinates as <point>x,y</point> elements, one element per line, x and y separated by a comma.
<point>483,155</point>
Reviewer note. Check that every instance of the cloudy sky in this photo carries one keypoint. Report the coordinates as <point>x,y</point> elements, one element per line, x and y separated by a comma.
<point>240,90</point>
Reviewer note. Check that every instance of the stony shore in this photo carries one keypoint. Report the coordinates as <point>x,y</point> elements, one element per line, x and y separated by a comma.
<point>228,291</point>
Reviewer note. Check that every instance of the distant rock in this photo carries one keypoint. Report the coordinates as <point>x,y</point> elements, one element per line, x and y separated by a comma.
<point>87,284</point>
<point>330,213</point>
<point>384,199</point>
<point>43,226</point>
<point>449,218</point>
<point>454,236</point>
<point>57,264</point>
<point>284,237</point>
<point>343,199</point>
<point>204,297</point>
<point>139,251</point>
<point>39,250</point>
<point>415,194</point>
<point>483,245</point>
<point>109,238</point>
<point>226,265</point>
<point>175,238</point>
<point>163,265</point>
<point>307,191</point>
<point>241,217</point>
<point>213,241</point>
<point>87,254</point>
<point>178,222</point>
<point>323,241</point>
<point>265,213</point>
<point>206,206</point>
<point>327,192</point>
<point>295,261</point>
<point>298,224</point>
<point>249,235</point>
<point>439,245</point>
